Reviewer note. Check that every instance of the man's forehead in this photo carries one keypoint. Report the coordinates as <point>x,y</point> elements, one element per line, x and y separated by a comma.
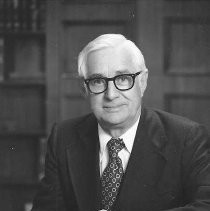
<point>116,61</point>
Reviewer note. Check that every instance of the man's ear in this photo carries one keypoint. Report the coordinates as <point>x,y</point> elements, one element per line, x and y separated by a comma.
<point>143,81</point>
<point>83,88</point>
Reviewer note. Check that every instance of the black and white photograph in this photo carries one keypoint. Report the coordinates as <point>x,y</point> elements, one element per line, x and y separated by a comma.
<point>104,105</point>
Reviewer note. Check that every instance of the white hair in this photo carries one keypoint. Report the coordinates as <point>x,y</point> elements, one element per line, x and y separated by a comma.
<point>107,41</point>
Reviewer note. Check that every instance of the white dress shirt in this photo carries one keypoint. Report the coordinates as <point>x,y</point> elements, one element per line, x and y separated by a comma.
<point>128,138</point>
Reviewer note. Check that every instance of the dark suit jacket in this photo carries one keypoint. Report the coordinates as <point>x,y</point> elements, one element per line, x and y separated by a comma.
<point>168,168</point>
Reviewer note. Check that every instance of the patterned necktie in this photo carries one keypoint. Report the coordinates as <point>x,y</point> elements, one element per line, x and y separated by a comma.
<point>112,175</point>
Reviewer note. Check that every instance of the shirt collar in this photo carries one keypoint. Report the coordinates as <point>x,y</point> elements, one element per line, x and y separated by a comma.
<point>128,137</point>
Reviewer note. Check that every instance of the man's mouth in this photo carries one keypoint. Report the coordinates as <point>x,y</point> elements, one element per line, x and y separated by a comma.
<point>113,108</point>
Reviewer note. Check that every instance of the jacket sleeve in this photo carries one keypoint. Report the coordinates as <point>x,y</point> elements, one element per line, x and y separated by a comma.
<point>196,171</point>
<point>49,196</point>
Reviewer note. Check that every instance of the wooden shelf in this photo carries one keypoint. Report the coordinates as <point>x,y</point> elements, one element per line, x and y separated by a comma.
<point>15,185</point>
<point>18,134</point>
<point>21,34</point>
<point>39,82</point>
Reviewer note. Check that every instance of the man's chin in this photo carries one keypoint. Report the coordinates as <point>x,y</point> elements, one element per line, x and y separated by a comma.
<point>113,120</point>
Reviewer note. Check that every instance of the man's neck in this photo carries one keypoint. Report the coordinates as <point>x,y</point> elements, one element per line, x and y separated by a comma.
<point>116,131</point>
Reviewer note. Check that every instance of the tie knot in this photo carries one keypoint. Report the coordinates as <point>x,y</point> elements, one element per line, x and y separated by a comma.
<point>115,145</point>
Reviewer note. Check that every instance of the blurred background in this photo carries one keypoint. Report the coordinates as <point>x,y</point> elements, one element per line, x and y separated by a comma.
<point>39,44</point>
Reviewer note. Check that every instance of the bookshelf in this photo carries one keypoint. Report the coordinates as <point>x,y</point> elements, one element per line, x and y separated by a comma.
<point>22,101</point>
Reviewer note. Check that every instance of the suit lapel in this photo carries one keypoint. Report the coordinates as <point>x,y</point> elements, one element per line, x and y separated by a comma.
<point>83,165</point>
<point>145,166</point>
<point>143,174</point>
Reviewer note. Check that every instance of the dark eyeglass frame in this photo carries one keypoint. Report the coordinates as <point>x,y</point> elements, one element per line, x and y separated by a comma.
<point>133,75</point>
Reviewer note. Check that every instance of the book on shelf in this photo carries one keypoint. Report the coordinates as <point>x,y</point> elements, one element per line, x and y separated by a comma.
<point>24,15</point>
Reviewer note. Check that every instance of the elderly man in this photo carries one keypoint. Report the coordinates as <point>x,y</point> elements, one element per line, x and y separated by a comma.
<point>122,156</point>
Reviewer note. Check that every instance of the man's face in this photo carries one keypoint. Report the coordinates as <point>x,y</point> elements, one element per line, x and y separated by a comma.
<point>114,108</point>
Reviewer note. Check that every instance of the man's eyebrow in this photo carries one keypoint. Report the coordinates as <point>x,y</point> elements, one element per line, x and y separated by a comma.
<point>118,72</point>
<point>95,75</point>
<point>126,71</point>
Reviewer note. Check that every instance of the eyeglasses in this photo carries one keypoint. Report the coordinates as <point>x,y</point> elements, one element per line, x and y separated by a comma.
<point>122,82</point>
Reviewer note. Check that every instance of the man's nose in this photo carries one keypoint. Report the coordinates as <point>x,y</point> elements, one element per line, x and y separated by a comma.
<point>111,92</point>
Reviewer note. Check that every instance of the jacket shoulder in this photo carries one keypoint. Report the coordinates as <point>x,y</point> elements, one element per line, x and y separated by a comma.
<point>171,124</point>
<point>167,118</point>
<point>74,122</point>
<point>67,130</point>
<point>176,130</point>
<point>173,119</point>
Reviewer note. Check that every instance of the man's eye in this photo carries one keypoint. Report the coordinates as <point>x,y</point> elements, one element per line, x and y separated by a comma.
<point>123,78</point>
<point>97,81</point>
